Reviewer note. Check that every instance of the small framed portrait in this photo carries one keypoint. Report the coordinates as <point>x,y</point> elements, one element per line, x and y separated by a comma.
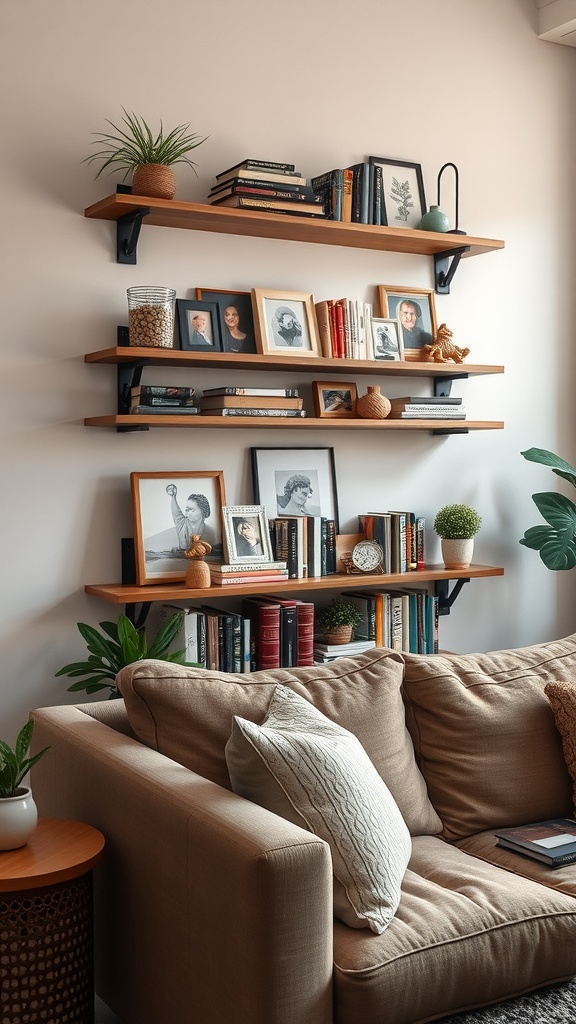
<point>295,482</point>
<point>246,536</point>
<point>198,325</point>
<point>168,510</point>
<point>334,400</point>
<point>236,318</point>
<point>403,200</point>
<point>285,323</point>
<point>415,310</point>
<point>387,340</point>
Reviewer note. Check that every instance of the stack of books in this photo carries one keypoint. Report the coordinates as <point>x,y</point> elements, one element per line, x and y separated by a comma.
<point>248,572</point>
<point>324,653</point>
<point>154,399</point>
<point>306,543</point>
<point>268,186</point>
<point>552,842</point>
<point>345,328</point>
<point>352,194</point>
<point>425,407</point>
<point>233,401</point>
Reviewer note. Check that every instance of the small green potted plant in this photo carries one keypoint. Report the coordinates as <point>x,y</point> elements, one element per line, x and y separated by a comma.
<point>121,645</point>
<point>18,813</point>
<point>338,621</point>
<point>457,525</point>
<point>132,147</point>
<point>556,542</point>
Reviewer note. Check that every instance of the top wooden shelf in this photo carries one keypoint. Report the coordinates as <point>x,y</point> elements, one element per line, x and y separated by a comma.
<point>203,217</point>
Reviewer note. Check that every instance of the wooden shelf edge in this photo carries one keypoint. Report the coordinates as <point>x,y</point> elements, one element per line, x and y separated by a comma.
<point>127,594</point>
<point>287,423</point>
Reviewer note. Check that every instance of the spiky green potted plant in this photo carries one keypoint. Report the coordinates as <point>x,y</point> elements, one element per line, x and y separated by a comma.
<point>457,525</point>
<point>18,813</point>
<point>556,542</point>
<point>132,147</point>
<point>121,645</point>
<point>338,621</point>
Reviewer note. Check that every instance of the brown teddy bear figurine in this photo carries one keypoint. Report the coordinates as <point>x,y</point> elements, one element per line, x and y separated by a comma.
<point>443,348</point>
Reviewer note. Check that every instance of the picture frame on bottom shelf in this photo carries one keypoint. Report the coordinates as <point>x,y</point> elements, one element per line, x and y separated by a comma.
<point>295,481</point>
<point>246,536</point>
<point>167,509</point>
<point>334,399</point>
<point>237,333</point>
<point>387,340</point>
<point>198,325</point>
<point>415,310</point>
<point>285,323</point>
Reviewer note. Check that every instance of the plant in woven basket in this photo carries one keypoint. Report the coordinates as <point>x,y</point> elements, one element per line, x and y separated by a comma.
<point>457,522</point>
<point>556,542</point>
<point>133,147</point>
<point>121,645</point>
<point>15,763</point>
<point>338,620</point>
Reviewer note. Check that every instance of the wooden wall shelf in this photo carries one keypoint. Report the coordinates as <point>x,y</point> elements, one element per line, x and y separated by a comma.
<point>144,421</point>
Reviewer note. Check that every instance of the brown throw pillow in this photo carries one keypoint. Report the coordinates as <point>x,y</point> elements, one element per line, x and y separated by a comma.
<point>562,697</point>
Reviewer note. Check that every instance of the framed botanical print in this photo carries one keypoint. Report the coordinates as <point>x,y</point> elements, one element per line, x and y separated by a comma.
<point>285,323</point>
<point>295,481</point>
<point>198,325</point>
<point>236,318</point>
<point>402,188</point>
<point>168,509</point>
<point>415,310</point>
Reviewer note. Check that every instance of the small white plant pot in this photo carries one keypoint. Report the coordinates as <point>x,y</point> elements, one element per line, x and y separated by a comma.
<point>457,553</point>
<point>18,819</point>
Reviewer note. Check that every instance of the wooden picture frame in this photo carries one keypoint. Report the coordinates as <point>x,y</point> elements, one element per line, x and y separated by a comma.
<point>190,313</point>
<point>334,399</point>
<point>168,508</point>
<point>237,333</point>
<point>387,342</point>
<point>285,323</point>
<point>246,535</point>
<point>415,309</point>
<point>295,481</point>
<point>403,198</point>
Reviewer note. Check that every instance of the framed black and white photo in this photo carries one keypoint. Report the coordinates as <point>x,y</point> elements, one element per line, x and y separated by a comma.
<point>387,340</point>
<point>236,318</point>
<point>415,310</point>
<point>334,400</point>
<point>168,509</point>
<point>198,325</point>
<point>246,535</point>
<point>285,323</point>
<point>295,481</point>
<point>403,200</point>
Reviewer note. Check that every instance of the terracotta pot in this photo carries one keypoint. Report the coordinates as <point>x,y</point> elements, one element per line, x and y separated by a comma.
<point>338,634</point>
<point>18,818</point>
<point>457,553</point>
<point>154,180</point>
<point>373,405</point>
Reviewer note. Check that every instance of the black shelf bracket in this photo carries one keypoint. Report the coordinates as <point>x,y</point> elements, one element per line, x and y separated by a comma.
<point>128,562</point>
<point>127,234</point>
<point>445,266</point>
<point>128,375</point>
<point>445,599</point>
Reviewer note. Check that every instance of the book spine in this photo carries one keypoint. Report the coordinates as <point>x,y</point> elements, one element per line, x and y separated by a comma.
<point>330,546</point>
<point>263,175</point>
<point>234,182</point>
<point>164,410</point>
<point>201,625</point>
<point>347,182</point>
<point>268,637</point>
<point>156,391</point>
<point>305,633</point>
<point>323,320</point>
<point>258,165</point>
<point>288,636</point>
<point>294,413</point>
<point>299,193</point>
<point>263,392</point>
<point>251,567</point>
<point>378,215</point>
<point>250,402</point>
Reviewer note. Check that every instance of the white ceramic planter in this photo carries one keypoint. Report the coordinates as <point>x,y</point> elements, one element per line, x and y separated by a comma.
<point>457,553</point>
<point>18,819</point>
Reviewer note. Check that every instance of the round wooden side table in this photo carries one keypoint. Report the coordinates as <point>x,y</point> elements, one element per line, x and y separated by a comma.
<point>46,937</point>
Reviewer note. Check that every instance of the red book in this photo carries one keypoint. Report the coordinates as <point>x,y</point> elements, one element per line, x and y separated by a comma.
<point>340,331</point>
<point>305,633</point>
<point>264,616</point>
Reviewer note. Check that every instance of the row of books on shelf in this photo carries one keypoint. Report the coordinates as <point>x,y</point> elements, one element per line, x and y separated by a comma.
<point>227,401</point>
<point>352,194</point>
<point>307,545</point>
<point>406,620</point>
<point>400,534</point>
<point>345,328</point>
<point>268,186</point>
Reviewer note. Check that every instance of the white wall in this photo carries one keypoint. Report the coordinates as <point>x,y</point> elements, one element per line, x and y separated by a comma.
<point>322,85</point>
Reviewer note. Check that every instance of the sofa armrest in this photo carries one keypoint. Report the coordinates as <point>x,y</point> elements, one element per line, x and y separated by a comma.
<point>207,907</point>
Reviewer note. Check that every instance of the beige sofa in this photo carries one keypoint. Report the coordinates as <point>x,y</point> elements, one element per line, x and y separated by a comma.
<point>212,910</point>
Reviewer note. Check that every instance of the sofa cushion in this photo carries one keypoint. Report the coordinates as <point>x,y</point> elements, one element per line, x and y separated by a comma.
<point>186,714</point>
<point>485,737</point>
<point>302,766</point>
<point>562,697</point>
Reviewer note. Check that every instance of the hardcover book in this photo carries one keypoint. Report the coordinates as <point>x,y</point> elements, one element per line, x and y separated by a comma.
<point>161,410</point>
<point>261,185</point>
<point>259,165</point>
<point>236,411</point>
<point>298,193</point>
<point>257,174</point>
<point>295,206</point>
<point>553,842</point>
<point>264,616</point>
<point>151,391</point>
<point>286,392</point>
<point>250,402</point>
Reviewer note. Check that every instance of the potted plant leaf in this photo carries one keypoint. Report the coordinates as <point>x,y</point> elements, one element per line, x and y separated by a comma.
<point>457,525</point>
<point>338,621</point>
<point>555,542</point>
<point>121,645</point>
<point>18,813</point>
<point>132,147</point>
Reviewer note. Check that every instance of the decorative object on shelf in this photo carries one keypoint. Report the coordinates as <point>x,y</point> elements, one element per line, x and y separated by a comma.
<point>367,556</point>
<point>18,812</point>
<point>285,323</point>
<point>151,316</point>
<point>556,542</point>
<point>246,535</point>
<point>435,220</point>
<point>133,148</point>
<point>443,349</point>
<point>457,525</point>
<point>168,508</point>
<point>338,620</point>
<point>373,405</point>
<point>198,572</point>
<point>121,645</point>
<point>236,318</point>
<point>334,399</point>
<point>199,325</point>
<point>295,481</point>
<point>402,201</point>
<point>415,310</point>
<point>387,342</point>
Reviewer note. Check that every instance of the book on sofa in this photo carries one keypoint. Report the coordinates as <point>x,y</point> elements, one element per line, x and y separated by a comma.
<point>553,842</point>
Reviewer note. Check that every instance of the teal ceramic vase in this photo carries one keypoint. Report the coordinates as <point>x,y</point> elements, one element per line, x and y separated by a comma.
<point>434,220</point>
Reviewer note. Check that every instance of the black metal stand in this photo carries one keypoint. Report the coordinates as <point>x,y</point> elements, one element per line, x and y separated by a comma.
<point>445,599</point>
<point>445,266</point>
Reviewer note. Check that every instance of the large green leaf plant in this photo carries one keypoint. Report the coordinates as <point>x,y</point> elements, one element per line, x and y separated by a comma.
<point>555,542</point>
<point>121,645</point>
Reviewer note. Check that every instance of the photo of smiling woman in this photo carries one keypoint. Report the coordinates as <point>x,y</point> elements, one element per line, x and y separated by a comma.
<point>236,318</point>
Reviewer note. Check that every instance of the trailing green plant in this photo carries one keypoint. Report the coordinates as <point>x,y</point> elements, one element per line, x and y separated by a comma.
<point>339,613</point>
<point>121,645</point>
<point>15,763</point>
<point>555,542</point>
<point>457,522</point>
<point>134,145</point>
